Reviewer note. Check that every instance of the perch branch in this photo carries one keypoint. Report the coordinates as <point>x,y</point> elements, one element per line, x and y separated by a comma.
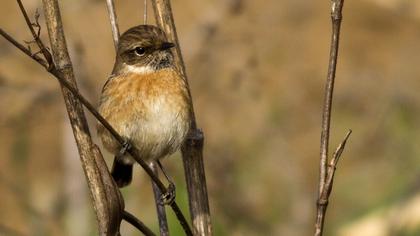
<point>127,216</point>
<point>192,149</point>
<point>114,22</point>
<point>160,209</point>
<point>326,174</point>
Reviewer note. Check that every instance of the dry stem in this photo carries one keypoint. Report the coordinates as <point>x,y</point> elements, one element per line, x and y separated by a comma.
<point>326,175</point>
<point>113,20</point>
<point>192,149</point>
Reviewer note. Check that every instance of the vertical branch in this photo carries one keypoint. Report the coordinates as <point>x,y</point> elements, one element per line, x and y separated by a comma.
<point>145,13</point>
<point>192,150</point>
<point>160,208</point>
<point>114,22</point>
<point>107,200</point>
<point>326,173</point>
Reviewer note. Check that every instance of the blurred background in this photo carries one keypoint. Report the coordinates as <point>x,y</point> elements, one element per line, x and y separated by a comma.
<point>257,71</point>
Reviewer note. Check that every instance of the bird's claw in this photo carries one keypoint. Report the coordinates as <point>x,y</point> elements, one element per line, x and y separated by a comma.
<point>169,197</point>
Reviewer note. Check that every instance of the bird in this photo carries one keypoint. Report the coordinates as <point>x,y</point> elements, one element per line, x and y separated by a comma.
<point>145,99</point>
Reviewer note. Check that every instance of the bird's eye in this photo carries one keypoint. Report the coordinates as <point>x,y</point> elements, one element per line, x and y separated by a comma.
<point>139,51</point>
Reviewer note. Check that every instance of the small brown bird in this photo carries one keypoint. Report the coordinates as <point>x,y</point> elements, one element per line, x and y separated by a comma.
<point>146,100</point>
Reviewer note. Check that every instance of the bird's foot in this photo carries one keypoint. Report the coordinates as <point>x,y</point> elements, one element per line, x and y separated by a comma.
<point>169,197</point>
<point>125,147</point>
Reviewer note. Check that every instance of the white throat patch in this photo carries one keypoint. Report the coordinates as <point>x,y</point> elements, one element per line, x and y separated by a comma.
<point>138,69</point>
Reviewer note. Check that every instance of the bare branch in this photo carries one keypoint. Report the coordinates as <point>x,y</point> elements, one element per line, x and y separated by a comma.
<point>107,199</point>
<point>161,213</point>
<point>192,149</point>
<point>25,50</point>
<point>145,13</point>
<point>339,150</point>
<point>35,35</point>
<point>137,223</point>
<point>326,173</point>
<point>114,22</point>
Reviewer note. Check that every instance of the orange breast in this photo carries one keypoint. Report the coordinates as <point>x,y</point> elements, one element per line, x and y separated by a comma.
<point>152,110</point>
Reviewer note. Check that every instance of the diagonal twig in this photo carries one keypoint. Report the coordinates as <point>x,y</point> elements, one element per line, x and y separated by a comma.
<point>127,216</point>
<point>23,48</point>
<point>332,166</point>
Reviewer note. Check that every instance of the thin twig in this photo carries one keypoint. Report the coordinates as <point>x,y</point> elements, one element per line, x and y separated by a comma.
<point>35,35</point>
<point>137,223</point>
<point>332,167</point>
<point>23,48</point>
<point>192,149</point>
<point>145,13</point>
<point>114,22</point>
<point>326,173</point>
<point>160,208</point>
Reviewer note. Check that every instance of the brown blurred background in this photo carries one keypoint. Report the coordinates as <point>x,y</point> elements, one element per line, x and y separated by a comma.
<point>257,72</point>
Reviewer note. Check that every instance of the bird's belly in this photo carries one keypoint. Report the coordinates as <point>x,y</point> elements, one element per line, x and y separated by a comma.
<point>156,126</point>
<point>162,130</point>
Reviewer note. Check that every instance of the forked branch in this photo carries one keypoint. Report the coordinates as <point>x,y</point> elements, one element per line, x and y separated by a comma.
<point>326,173</point>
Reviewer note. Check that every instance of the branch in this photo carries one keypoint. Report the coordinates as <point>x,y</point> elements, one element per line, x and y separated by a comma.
<point>145,12</point>
<point>35,35</point>
<point>107,199</point>
<point>114,22</point>
<point>161,213</point>
<point>192,149</point>
<point>23,48</point>
<point>326,174</point>
<point>137,223</point>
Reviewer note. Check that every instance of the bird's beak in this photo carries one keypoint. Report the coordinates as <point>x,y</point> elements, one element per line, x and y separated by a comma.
<point>166,45</point>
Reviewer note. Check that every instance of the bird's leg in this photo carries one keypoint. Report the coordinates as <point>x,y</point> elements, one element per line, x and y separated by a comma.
<point>168,197</point>
<point>124,148</point>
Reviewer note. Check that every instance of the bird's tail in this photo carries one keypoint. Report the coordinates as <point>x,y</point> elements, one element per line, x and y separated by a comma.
<point>122,173</point>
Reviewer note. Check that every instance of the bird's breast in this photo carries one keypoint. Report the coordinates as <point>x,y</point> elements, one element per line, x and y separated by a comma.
<point>152,110</point>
